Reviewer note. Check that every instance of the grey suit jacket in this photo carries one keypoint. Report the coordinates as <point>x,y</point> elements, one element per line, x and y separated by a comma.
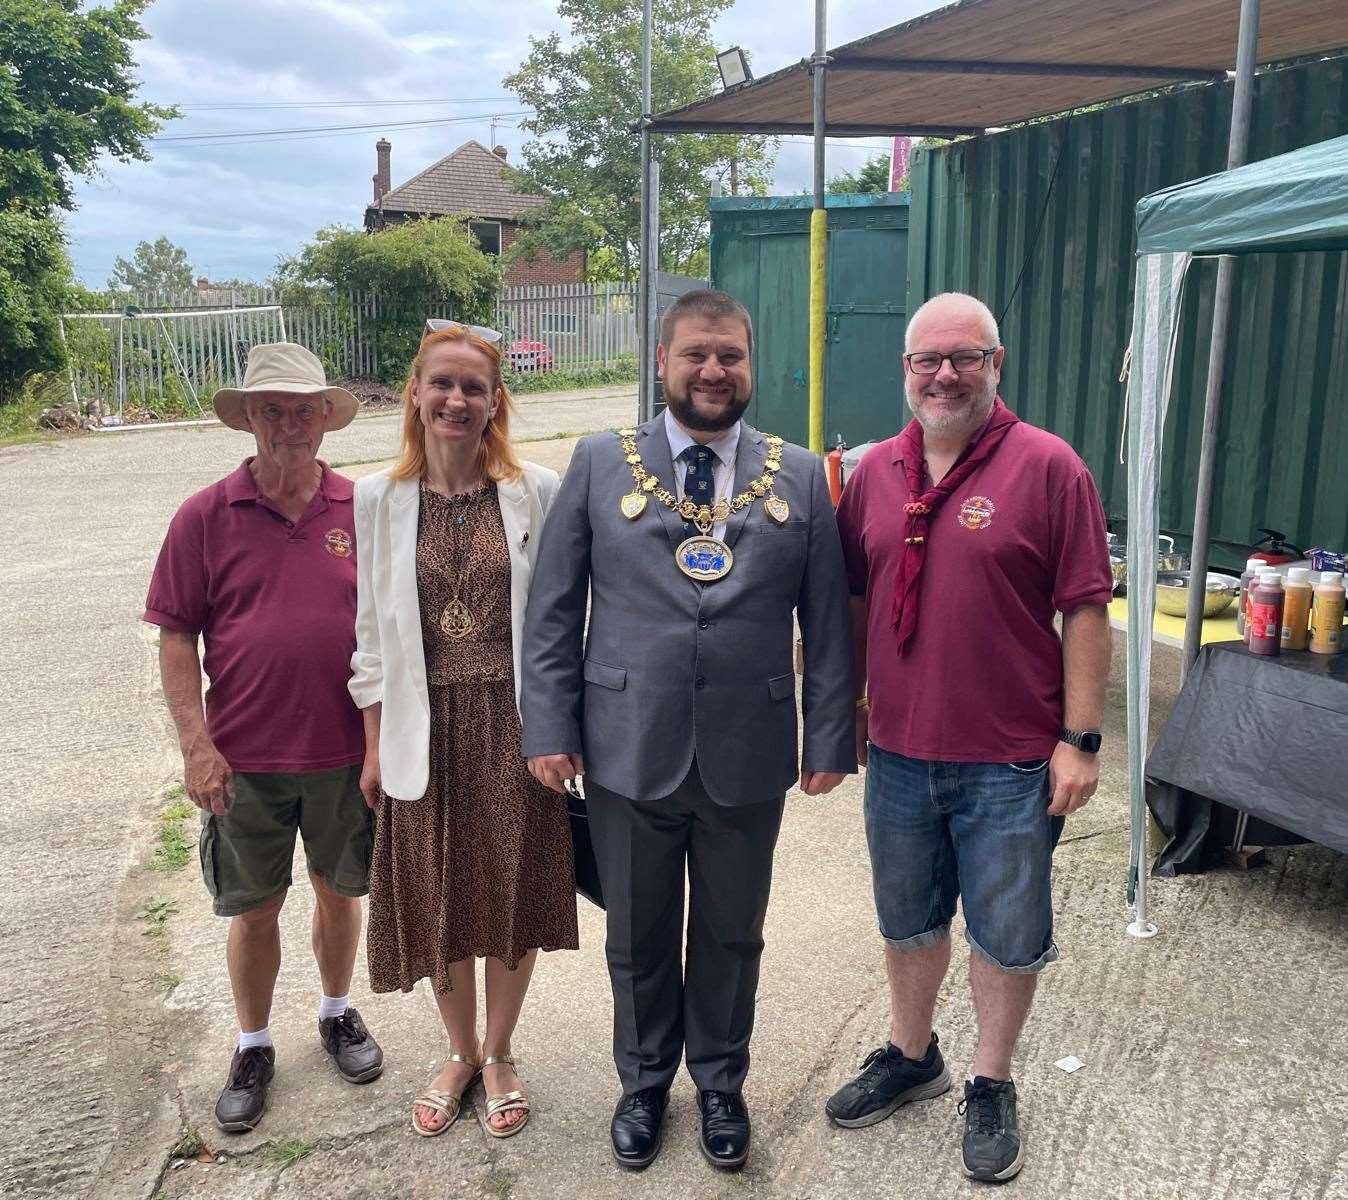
<point>671,668</point>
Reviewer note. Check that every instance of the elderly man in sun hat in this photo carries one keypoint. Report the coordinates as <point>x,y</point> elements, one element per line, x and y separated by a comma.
<point>261,567</point>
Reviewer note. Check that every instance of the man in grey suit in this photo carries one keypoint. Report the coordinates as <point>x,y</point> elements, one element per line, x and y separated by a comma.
<point>696,538</point>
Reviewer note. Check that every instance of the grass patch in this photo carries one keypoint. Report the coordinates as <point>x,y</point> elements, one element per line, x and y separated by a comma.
<point>156,914</point>
<point>190,1143</point>
<point>523,382</point>
<point>173,850</point>
<point>167,981</point>
<point>288,1151</point>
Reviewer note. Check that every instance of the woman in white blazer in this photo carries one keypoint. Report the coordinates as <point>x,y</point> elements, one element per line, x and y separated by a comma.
<point>472,857</point>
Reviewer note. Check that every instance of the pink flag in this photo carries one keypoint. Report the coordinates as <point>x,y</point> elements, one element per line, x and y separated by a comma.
<point>898,163</point>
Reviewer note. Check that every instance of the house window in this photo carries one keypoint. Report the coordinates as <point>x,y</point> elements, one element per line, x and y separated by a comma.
<point>488,235</point>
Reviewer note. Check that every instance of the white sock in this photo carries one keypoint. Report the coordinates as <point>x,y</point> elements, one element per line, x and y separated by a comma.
<point>333,1006</point>
<point>261,1037</point>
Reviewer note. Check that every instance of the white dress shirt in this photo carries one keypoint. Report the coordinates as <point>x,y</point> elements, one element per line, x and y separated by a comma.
<point>724,446</point>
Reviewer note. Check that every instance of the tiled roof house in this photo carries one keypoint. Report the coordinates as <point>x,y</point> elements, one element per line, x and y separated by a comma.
<point>469,182</point>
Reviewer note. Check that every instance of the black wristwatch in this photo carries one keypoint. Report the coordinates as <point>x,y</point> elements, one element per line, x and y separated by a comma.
<point>1085,740</point>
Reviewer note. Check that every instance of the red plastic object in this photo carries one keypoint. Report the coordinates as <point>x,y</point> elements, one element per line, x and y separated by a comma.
<point>833,470</point>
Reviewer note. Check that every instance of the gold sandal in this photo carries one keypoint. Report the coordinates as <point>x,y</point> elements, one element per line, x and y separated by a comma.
<point>446,1104</point>
<point>509,1102</point>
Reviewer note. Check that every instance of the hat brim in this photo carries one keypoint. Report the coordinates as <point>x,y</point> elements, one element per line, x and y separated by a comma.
<point>229,403</point>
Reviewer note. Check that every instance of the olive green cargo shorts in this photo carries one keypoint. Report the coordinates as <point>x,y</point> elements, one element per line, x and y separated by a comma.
<point>246,854</point>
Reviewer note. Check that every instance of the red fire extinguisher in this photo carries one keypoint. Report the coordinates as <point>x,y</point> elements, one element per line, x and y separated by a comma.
<point>833,470</point>
<point>1274,548</point>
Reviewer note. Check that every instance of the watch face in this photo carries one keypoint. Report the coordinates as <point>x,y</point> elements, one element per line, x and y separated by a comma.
<point>1090,742</point>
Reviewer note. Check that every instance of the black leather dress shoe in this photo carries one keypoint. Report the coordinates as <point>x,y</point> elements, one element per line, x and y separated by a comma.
<point>637,1128</point>
<point>725,1129</point>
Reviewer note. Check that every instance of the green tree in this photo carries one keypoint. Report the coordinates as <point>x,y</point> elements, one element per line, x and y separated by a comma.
<point>35,285</point>
<point>157,266</point>
<point>66,97</point>
<point>872,177</point>
<point>584,158</point>
<point>413,268</point>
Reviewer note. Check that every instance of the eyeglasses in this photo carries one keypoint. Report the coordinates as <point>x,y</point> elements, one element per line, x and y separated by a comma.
<point>436,324</point>
<point>928,362</point>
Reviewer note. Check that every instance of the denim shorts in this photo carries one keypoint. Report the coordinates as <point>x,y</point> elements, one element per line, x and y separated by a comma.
<point>942,831</point>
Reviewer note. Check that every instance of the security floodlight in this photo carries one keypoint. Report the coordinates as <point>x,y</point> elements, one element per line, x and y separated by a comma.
<point>734,67</point>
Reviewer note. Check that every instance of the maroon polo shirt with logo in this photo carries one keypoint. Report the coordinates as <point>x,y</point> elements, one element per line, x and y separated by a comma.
<point>275,604</point>
<point>1022,538</point>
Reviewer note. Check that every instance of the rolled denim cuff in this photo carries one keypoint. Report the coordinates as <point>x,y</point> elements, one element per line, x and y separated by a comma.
<point>919,941</point>
<point>1033,968</point>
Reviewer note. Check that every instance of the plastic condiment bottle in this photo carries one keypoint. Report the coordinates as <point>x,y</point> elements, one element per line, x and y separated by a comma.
<point>1248,578</point>
<point>1327,614</point>
<point>1296,609</point>
<point>1264,622</point>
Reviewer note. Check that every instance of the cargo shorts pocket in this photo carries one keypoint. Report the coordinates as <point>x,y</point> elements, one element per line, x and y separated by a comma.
<point>207,845</point>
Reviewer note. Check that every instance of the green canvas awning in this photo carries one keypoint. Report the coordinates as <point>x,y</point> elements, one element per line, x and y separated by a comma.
<point>1293,202</point>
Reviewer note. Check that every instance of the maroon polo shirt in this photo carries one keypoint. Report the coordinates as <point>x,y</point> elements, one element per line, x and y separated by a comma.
<point>275,604</point>
<point>1022,538</point>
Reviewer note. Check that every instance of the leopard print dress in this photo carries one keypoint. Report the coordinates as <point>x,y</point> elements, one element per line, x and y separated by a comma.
<point>481,864</point>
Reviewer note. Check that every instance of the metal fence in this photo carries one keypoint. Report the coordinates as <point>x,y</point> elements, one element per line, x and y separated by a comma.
<point>152,349</point>
<point>581,325</point>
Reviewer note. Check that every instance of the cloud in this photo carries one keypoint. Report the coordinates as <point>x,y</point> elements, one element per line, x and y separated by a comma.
<point>237,208</point>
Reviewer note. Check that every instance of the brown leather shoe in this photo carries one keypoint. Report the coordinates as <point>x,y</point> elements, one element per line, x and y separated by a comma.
<point>356,1054</point>
<point>240,1106</point>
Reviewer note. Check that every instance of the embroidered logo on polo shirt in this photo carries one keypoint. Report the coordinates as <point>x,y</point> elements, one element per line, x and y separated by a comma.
<point>977,512</point>
<point>338,542</point>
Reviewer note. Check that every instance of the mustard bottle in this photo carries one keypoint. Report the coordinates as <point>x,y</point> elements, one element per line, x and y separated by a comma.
<point>1327,614</point>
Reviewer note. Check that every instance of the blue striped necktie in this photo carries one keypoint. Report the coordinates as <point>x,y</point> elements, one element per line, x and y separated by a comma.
<point>699,484</point>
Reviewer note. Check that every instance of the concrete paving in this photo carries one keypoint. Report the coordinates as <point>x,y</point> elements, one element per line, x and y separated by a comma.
<point>1214,1053</point>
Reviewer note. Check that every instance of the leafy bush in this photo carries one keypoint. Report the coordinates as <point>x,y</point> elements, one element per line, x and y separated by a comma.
<point>414,267</point>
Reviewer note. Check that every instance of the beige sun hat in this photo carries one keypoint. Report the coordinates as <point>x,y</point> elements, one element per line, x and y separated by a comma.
<point>288,368</point>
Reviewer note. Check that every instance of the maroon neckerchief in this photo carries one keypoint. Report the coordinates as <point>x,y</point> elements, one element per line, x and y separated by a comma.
<point>923,505</point>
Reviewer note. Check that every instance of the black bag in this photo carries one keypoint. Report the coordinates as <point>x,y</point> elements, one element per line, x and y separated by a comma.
<point>582,848</point>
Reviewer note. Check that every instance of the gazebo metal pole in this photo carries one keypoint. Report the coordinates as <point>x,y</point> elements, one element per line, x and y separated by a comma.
<point>1237,151</point>
<point>646,279</point>
<point>818,235</point>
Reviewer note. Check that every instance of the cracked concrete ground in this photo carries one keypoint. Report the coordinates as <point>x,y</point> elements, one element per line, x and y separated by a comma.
<point>1214,1053</point>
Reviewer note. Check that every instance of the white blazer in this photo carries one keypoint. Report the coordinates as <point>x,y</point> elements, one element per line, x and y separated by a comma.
<point>389,665</point>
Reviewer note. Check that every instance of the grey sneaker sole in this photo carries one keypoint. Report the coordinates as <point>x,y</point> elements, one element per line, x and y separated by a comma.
<point>241,1126</point>
<point>363,1077</point>
<point>923,1091</point>
<point>986,1176</point>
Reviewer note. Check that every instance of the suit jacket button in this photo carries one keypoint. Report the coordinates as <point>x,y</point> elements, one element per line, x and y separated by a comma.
<point>700,682</point>
<point>704,624</point>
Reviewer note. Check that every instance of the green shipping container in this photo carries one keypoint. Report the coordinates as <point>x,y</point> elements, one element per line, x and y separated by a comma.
<point>760,254</point>
<point>1038,222</point>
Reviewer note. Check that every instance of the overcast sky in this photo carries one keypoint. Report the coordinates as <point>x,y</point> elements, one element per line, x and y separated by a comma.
<point>236,208</point>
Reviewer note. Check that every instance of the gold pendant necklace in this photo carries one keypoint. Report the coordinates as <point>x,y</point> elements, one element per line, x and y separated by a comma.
<point>703,557</point>
<point>456,618</point>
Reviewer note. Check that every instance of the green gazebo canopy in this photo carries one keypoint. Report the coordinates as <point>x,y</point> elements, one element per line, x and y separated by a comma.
<point>1293,202</point>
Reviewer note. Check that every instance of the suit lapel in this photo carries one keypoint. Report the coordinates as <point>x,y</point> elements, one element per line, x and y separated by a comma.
<point>749,459</point>
<point>653,446</point>
<point>404,514</point>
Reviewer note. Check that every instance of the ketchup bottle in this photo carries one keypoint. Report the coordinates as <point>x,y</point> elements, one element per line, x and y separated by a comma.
<point>1264,622</point>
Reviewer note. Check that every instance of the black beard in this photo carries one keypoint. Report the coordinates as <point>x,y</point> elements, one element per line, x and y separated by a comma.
<point>687,415</point>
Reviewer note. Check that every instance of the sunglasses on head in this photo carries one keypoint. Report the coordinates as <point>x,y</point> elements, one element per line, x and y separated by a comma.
<point>436,324</point>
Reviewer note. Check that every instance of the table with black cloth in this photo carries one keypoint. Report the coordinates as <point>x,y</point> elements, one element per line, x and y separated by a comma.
<point>1264,734</point>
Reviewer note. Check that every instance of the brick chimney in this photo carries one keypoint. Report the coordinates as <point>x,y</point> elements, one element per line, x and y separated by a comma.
<point>500,152</point>
<point>382,175</point>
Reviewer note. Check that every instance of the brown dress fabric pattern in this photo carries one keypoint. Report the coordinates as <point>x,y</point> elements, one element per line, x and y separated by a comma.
<point>481,864</point>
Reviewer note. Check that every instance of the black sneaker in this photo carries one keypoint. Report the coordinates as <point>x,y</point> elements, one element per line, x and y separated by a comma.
<point>888,1081</point>
<point>354,1051</point>
<point>244,1096</point>
<point>993,1150</point>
